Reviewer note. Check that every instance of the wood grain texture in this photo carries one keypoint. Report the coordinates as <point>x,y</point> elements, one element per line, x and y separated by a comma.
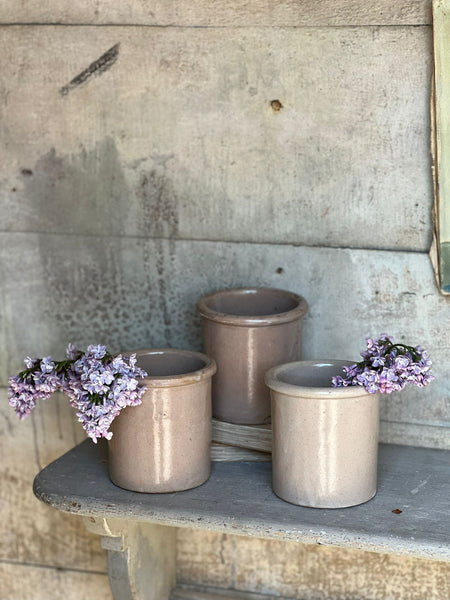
<point>176,137</point>
<point>302,571</point>
<point>131,293</point>
<point>234,13</point>
<point>254,437</point>
<point>238,498</point>
<point>31,533</point>
<point>28,582</point>
<point>228,453</point>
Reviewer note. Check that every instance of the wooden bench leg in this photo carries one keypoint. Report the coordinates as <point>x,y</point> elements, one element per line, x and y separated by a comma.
<point>141,557</point>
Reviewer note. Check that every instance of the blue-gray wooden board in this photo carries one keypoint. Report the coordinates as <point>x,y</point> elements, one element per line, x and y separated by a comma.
<point>238,499</point>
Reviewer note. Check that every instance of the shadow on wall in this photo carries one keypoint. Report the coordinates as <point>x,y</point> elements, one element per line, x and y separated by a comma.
<point>90,194</point>
<point>90,268</point>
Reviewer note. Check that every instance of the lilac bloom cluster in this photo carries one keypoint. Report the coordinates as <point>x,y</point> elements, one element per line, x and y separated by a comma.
<point>37,382</point>
<point>98,385</point>
<point>387,367</point>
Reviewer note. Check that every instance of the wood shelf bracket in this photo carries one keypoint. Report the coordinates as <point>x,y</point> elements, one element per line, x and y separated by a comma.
<point>141,557</point>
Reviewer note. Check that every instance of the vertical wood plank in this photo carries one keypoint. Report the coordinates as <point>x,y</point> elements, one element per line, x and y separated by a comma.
<point>441,139</point>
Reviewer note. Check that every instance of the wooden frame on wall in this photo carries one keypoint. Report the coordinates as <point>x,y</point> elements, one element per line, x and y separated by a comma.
<point>440,143</point>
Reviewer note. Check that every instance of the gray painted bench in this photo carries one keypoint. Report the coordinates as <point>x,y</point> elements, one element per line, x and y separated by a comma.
<point>409,515</point>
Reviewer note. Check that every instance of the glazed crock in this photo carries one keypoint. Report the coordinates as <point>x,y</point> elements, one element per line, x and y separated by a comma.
<point>163,445</point>
<point>247,331</point>
<point>325,439</point>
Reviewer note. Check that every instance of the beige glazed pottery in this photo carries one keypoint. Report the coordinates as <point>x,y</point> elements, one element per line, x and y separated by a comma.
<point>247,331</point>
<point>325,439</point>
<point>163,445</point>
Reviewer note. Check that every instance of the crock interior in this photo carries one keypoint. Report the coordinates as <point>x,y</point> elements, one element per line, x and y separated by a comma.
<point>251,302</point>
<point>162,364</point>
<point>318,375</point>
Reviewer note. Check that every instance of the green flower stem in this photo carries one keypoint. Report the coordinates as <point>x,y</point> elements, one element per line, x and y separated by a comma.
<point>61,366</point>
<point>388,348</point>
<point>409,349</point>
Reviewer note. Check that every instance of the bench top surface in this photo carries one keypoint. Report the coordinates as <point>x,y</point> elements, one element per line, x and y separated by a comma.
<point>238,499</point>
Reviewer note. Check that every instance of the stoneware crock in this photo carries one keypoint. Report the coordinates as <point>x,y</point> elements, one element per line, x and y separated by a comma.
<point>163,445</point>
<point>247,331</point>
<point>325,439</point>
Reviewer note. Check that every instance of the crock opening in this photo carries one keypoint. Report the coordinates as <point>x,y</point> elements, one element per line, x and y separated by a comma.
<point>162,364</point>
<point>252,302</point>
<point>318,375</point>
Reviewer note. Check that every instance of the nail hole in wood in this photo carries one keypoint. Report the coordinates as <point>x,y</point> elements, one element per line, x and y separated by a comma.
<point>276,105</point>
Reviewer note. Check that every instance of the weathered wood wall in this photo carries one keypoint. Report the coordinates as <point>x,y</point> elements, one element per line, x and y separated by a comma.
<point>307,572</point>
<point>232,13</point>
<point>133,184</point>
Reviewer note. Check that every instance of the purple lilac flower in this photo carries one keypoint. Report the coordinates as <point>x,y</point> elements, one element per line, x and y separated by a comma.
<point>96,351</point>
<point>71,351</point>
<point>30,362</point>
<point>387,367</point>
<point>22,396</point>
<point>97,384</point>
<point>47,365</point>
<point>45,382</point>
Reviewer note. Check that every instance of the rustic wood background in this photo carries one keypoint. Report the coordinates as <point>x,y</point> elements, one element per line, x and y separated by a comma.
<point>144,163</point>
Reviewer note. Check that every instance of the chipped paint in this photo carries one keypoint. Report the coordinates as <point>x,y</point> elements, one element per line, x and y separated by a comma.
<point>421,485</point>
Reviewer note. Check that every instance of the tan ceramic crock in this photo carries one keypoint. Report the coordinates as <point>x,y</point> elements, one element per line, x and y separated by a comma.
<point>247,331</point>
<point>163,445</point>
<point>325,439</point>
